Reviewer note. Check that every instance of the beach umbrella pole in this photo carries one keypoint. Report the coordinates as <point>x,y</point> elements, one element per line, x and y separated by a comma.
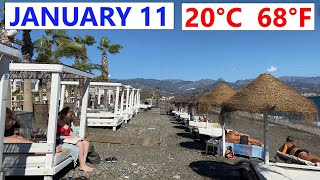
<point>266,139</point>
<point>207,118</point>
<point>223,140</point>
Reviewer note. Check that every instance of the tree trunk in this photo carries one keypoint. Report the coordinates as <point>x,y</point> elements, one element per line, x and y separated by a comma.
<point>40,91</point>
<point>104,67</point>
<point>27,53</point>
<point>69,91</point>
<point>27,90</point>
<point>105,76</point>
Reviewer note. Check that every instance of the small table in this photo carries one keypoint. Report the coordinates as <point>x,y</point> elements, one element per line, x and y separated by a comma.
<point>212,143</point>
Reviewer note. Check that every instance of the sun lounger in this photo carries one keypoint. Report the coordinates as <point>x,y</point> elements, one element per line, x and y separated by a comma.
<point>250,151</point>
<point>293,159</point>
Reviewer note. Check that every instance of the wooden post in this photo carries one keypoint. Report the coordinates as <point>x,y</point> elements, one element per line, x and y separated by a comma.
<point>53,118</point>
<point>75,98</point>
<point>99,97</point>
<point>84,106</point>
<point>130,104</point>
<point>116,104</point>
<point>63,89</point>
<point>138,100</point>
<point>121,104</point>
<point>266,138</point>
<point>109,97</point>
<point>135,102</point>
<point>4,75</point>
<point>223,140</point>
<point>207,120</point>
<point>127,100</point>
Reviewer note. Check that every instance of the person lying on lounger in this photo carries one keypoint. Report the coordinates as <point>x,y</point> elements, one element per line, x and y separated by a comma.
<point>292,148</point>
<point>240,138</point>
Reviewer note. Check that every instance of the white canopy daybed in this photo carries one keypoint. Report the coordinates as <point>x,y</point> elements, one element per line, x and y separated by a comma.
<point>105,118</point>
<point>17,158</point>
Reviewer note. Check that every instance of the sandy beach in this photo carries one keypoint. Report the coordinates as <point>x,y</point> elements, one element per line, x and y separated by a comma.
<point>179,155</point>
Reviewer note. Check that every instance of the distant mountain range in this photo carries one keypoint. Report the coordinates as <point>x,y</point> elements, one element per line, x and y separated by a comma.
<point>178,87</point>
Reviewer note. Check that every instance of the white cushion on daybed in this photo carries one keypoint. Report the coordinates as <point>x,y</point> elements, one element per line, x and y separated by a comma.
<point>27,160</point>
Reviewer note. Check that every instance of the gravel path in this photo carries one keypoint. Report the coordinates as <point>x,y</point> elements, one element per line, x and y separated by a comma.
<point>177,157</point>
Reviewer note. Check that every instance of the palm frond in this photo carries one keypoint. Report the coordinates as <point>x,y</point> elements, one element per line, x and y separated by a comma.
<point>89,40</point>
<point>114,48</point>
<point>104,42</point>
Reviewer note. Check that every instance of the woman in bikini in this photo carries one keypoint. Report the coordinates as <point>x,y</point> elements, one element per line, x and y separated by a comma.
<point>292,148</point>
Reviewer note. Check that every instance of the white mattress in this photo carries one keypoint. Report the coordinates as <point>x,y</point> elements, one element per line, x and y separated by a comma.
<point>213,132</point>
<point>26,160</point>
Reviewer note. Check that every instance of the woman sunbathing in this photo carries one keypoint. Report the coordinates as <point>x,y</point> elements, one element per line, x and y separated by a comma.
<point>64,132</point>
<point>292,148</point>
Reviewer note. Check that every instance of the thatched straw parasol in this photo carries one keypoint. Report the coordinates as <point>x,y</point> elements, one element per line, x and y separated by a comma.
<point>186,99</point>
<point>264,95</point>
<point>217,96</point>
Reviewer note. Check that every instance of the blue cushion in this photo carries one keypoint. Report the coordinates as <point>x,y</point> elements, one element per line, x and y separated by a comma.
<point>246,150</point>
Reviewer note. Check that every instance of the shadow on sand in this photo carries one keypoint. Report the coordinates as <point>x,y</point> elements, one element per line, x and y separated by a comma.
<point>186,135</point>
<point>180,127</point>
<point>195,145</point>
<point>174,122</point>
<point>222,170</point>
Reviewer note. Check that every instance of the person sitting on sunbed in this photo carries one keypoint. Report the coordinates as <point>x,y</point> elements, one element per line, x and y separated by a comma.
<point>64,132</point>
<point>12,123</point>
<point>73,122</point>
<point>290,147</point>
<point>240,138</point>
<point>10,135</point>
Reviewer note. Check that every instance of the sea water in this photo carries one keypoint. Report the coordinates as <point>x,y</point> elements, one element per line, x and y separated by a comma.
<point>316,100</point>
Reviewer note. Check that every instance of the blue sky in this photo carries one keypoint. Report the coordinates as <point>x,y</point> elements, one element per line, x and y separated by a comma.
<point>194,55</point>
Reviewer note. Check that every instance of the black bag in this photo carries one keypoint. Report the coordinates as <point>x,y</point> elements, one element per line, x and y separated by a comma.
<point>93,157</point>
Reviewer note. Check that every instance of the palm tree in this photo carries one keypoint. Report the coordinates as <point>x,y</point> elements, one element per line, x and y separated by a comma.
<point>105,47</point>
<point>87,66</point>
<point>27,53</point>
<point>87,40</point>
<point>54,45</point>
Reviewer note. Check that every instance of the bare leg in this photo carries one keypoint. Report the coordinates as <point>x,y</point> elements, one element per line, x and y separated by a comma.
<point>255,142</point>
<point>86,149</point>
<point>309,157</point>
<point>15,140</point>
<point>82,161</point>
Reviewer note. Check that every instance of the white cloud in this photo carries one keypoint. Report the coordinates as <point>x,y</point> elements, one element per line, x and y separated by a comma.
<point>272,69</point>
<point>109,76</point>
